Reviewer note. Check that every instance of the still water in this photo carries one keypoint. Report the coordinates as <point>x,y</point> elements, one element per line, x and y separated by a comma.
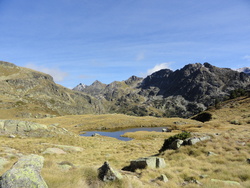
<point>118,133</point>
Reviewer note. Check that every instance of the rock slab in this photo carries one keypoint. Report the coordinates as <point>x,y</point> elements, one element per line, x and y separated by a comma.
<point>25,173</point>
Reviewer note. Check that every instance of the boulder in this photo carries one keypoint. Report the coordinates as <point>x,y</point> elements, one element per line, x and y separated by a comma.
<point>147,162</point>
<point>163,178</point>
<point>24,173</point>
<point>166,130</point>
<point>107,173</point>
<point>176,144</point>
<point>19,127</point>
<point>194,140</point>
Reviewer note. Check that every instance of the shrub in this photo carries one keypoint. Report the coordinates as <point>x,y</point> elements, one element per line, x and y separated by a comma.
<point>168,142</point>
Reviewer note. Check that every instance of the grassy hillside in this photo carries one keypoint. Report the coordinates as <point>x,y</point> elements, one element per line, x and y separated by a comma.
<point>229,149</point>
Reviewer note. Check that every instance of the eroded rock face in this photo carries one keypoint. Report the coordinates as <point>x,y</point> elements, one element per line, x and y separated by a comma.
<point>107,173</point>
<point>24,173</point>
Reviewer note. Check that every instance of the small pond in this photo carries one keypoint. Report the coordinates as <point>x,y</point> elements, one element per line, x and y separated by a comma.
<point>117,133</point>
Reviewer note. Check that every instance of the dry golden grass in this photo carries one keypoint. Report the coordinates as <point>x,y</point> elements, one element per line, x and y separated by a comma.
<point>230,144</point>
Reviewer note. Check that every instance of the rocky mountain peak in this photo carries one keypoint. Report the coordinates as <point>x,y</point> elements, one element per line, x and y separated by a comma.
<point>133,80</point>
<point>79,87</point>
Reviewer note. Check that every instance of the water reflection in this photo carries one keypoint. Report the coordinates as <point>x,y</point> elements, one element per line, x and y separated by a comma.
<point>117,133</point>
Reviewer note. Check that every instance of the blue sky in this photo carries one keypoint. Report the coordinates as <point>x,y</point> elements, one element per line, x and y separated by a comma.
<point>86,40</point>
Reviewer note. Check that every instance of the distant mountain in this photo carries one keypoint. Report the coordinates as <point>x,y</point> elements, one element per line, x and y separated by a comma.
<point>183,93</point>
<point>79,87</point>
<point>170,93</point>
<point>246,70</point>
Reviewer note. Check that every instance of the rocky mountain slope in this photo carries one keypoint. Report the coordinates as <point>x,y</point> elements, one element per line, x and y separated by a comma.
<point>28,93</point>
<point>182,93</point>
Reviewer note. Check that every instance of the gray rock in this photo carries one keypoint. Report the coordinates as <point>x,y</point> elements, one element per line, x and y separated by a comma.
<point>248,160</point>
<point>147,162</point>
<point>166,130</point>
<point>163,178</point>
<point>176,144</point>
<point>24,173</point>
<point>12,136</point>
<point>194,140</point>
<point>211,153</point>
<point>226,182</point>
<point>96,134</point>
<point>107,173</point>
<point>19,127</point>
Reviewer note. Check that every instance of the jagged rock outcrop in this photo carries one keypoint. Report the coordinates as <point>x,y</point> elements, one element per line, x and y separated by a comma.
<point>24,173</point>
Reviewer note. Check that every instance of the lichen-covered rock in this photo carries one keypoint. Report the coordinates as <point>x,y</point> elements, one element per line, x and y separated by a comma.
<point>194,140</point>
<point>107,173</point>
<point>19,127</point>
<point>25,173</point>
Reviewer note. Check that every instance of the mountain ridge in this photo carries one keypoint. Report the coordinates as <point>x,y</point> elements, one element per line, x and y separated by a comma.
<point>183,92</point>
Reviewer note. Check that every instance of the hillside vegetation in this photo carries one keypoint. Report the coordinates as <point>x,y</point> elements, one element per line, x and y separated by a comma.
<point>223,157</point>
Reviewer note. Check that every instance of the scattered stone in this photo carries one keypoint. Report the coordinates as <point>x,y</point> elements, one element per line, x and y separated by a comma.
<point>95,134</point>
<point>106,173</point>
<point>163,178</point>
<point>226,182</point>
<point>176,144</point>
<point>210,153</point>
<point>24,173</point>
<point>248,160</point>
<point>203,176</point>
<point>54,151</point>
<point>12,136</point>
<point>166,130</point>
<point>194,140</point>
<point>147,162</point>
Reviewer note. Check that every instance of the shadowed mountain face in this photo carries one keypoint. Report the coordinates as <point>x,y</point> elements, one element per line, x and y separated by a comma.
<point>181,93</point>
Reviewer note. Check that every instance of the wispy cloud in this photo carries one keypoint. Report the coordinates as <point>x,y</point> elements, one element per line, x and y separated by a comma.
<point>159,67</point>
<point>247,57</point>
<point>140,56</point>
<point>56,73</point>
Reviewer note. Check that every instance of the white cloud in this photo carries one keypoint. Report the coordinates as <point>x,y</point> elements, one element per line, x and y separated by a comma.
<point>247,57</point>
<point>158,67</point>
<point>56,73</point>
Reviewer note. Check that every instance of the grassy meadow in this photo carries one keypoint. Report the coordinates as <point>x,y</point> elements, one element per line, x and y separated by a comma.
<point>222,158</point>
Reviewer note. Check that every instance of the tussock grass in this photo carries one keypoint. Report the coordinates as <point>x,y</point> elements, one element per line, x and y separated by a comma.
<point>230,143</point>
